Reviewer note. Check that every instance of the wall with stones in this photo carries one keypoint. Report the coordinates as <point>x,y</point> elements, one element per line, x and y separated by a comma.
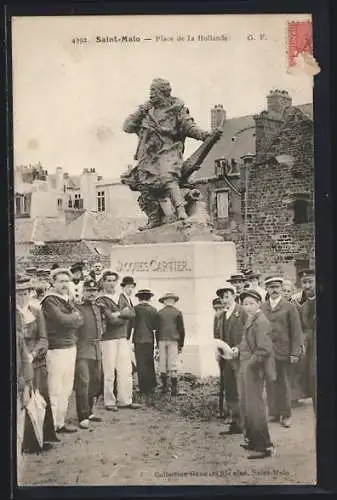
<point>274,240</point>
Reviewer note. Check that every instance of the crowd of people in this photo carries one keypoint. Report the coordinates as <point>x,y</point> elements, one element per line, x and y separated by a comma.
<point>74,332</point>
<point>268,348</point>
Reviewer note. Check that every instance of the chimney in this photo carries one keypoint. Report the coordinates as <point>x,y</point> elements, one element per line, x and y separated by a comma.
<point>218,116</point>
<point>277,102</point>
<point>88,189</point>
<point>59,179</point>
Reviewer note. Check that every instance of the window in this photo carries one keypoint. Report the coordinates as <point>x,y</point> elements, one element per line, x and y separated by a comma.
<point>59,203</point>
<point>70,203</point>
<point>78,202</point>
<point>302,210</point>
<point>222,204</point>
<point>23,204</point>
<point>101,201</point>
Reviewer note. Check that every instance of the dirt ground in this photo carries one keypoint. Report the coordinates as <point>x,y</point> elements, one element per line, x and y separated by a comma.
<point>176,442</point>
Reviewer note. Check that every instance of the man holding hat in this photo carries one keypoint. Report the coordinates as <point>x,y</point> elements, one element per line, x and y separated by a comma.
<point>145,324</point>
<point>116,354</point>
<point>170,338</point>
<point>76,285</point>
<point>287,337</point>
<point>62,321</point>
<point>88,358</point>
<point>231,331</point>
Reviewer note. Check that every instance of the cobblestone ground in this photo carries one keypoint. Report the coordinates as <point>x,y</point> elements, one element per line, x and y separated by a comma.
<point>174,442</point>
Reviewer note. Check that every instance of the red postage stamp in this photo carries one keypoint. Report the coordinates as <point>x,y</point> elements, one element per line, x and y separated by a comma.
<point>299,40</point>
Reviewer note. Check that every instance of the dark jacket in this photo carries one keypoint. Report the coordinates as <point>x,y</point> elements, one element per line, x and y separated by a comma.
<point>90,333</point>
<point>218,318</point>
<point>123,302</point>
<point>170,325</point>
<point>24,369</point>
<point>256,345</point>
<point>308,317</point>
<point>287,335</point>
<point>114,328</point>
<point>35,336</point>
<point>231,329</point>
<point>145,323</point>
<point>62,321</point>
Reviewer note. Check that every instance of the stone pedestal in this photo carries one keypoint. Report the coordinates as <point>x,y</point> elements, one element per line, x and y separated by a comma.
<point>193,270</point>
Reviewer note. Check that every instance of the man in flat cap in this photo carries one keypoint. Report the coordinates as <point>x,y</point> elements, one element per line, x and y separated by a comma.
<point>162,124</point>
<point>62,322</point>
<point>287,337</point>
<point>307,280</point>
<point>88,358</point>
<point>238,280</point>
<point>231,331</point>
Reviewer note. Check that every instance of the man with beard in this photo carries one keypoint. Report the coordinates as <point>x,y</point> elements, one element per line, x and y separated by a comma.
<point>287,338</point>
<point>305,276</point>
<point>162,125</point>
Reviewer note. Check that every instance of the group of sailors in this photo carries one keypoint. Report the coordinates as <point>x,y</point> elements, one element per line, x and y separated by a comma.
<point>73,331</point>
<point>268,349</point>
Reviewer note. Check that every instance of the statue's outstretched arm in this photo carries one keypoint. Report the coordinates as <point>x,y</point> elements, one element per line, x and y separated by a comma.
<point>189,128</point>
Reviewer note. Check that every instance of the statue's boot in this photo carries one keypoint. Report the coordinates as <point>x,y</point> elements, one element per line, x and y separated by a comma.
<point>177,200</point>
<point>168,210</point>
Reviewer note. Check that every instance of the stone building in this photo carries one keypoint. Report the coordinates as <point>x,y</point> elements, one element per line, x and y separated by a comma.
<point>269,214</point>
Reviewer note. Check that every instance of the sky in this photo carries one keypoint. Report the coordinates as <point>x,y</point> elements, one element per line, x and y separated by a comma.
<point>70,100</point>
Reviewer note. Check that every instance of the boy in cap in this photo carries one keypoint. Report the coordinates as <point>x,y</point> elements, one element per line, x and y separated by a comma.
<point>231,330</point>
<point>145,324</point>
<point>287,338</point>
<point>88,358</point>
<point>116,355</point>
<point>170,338</point>
<point>255,352</point>
<point>76,285</point>
<point>62,321</point>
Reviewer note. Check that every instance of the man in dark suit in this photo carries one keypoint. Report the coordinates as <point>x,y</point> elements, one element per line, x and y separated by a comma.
<point>170,335</point>
<point>287,338</point>
<point>145,324</point>
<point>308,316</point>
<point>231,329</point>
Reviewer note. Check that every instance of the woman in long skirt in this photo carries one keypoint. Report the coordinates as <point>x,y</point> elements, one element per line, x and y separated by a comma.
<point>255,353</point>
<point>32,322</point>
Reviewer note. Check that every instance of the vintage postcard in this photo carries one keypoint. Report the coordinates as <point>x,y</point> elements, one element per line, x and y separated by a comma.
<point>164,249</point>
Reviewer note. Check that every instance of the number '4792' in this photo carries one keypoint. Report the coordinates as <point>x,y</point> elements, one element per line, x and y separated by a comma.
<point>79,40</point>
